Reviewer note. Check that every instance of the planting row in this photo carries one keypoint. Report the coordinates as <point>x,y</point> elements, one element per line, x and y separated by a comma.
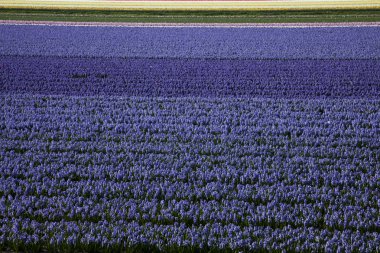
<point>191,77</point>
<point>191,172</point>
<point>191,42</point>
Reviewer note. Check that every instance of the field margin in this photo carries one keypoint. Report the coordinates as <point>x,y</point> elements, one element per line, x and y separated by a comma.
<point>310,16</point>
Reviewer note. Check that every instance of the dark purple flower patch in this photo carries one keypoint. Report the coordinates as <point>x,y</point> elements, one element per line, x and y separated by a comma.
<point>191,77</point>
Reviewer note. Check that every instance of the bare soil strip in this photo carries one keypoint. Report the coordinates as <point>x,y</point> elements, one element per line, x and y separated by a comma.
<point>236,25</point>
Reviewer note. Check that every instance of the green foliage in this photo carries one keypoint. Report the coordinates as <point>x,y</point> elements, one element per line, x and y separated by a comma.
<point>370,15</point>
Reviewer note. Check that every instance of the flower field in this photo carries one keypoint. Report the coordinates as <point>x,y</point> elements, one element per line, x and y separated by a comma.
<point>192,5</point>
<point>189,139</point>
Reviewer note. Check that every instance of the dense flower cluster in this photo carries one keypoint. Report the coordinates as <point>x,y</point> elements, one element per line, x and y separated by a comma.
<point>196,42</point>
<point>191,77</point>
<point>243,174</point>
<point>198,139</point>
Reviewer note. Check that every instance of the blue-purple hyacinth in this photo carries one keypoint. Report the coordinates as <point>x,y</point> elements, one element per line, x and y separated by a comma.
<point>241,139</point>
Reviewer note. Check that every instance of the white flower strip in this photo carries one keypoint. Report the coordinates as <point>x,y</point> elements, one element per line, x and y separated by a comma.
<point>216,25</point>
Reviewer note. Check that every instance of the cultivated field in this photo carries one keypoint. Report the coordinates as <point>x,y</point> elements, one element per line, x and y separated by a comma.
<point>190,126</point>
<point>193,5</point>
<point>189,139</point>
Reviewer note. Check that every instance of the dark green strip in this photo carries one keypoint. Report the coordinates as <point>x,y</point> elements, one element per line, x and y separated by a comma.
<point>372,15</point>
